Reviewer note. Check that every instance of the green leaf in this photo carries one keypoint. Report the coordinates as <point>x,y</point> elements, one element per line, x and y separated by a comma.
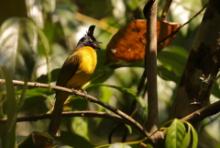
<point>75,140</point>
<point>10,109</point>
<point>21,98</point>
<point>119,145</point>
<point>20,40</point>
<point>101,74</point>
<point>216,89</point>
<point>194,136</point>
<point>37,92</point>
<point>175,134</point>
<point>181,134</point>
<point>77,103</point>
<point>80,127</point>
<point>186,139</point>
<point>129,128</point>
<point>106,94</point>
<point>18,46</point>
<point>173,59</point>
<point>34,100</point>
<point>167,74</point>
<point>45,45</point>
<point>121,89</point>
<point>44,49</point>
<point>35,105</point>
<point>127,92</point>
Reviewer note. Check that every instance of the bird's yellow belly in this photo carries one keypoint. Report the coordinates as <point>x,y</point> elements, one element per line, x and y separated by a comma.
<point>87,60</point>
<point>78,80</point>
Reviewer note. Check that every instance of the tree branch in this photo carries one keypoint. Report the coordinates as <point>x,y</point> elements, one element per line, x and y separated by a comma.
<point>202,113</point>
<point>198,115</point>
<point>202,65</point>
<point>90,98</point>
<point>150,12</point>
<point>65,115</point>
<point>193,117</point>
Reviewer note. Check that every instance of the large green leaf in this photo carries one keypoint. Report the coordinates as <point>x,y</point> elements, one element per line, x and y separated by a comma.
<point>18,45</point>
<point>172,62</point>
<point>175,134</point>
<point>10,109</point>
<point>181,134</point>
<point>80,127</point>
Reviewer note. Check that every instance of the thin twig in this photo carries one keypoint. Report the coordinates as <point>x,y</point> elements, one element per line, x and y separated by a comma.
<point>67,114</point>
<point>90,98</point>
<point>183,25</point>
<point>202,113</point>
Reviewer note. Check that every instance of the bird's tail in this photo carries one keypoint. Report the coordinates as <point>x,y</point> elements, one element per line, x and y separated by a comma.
<point>57,113</point>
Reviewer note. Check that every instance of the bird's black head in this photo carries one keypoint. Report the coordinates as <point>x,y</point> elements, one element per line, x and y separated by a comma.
<point>88,39</point>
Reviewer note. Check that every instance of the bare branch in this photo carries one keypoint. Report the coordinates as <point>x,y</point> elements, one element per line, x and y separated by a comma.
<point>67,114</point>
<point>202,113</point>
<point>90,98</point>
<point>150,12</point>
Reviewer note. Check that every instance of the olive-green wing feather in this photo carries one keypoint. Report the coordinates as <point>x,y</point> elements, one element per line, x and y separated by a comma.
<point>67,71</point>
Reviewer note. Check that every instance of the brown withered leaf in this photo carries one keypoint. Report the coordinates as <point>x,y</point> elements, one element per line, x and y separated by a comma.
<point>128,44</point>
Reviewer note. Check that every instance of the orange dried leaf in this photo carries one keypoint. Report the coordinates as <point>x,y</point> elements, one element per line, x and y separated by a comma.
<point>128,44</point>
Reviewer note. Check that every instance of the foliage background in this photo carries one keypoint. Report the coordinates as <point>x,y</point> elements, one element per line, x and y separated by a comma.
<point>35,38</point>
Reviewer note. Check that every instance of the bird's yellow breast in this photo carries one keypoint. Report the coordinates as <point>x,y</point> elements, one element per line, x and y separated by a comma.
<point>88,59</point>
<point>87,64</point>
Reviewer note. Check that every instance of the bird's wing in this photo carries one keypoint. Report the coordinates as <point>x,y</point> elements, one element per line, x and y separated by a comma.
<point>68,69</point>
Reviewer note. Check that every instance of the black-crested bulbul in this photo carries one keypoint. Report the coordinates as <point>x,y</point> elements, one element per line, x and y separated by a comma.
<point>75,72</point>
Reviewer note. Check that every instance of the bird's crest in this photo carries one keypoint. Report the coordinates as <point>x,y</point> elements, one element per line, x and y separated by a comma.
<point>88,39</point>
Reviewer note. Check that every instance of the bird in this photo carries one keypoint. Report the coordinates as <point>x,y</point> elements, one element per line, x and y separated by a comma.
<point>75,72</point>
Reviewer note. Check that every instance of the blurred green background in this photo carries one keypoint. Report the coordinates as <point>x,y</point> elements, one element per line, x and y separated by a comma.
<point>37,35</point>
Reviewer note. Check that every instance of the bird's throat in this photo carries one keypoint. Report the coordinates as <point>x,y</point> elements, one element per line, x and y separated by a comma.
<point>88,59</point>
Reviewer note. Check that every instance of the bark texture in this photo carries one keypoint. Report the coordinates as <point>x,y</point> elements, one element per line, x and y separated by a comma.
<point>202,66</point>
